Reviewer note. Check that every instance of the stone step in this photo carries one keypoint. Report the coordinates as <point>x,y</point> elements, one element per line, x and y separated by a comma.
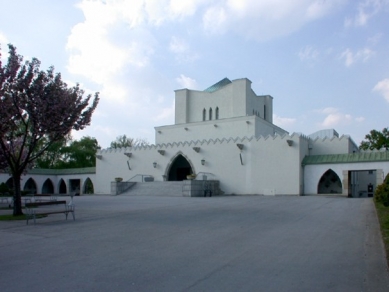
<point>156,188</point>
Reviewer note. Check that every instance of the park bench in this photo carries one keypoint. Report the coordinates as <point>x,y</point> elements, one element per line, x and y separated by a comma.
<point>49,207</point>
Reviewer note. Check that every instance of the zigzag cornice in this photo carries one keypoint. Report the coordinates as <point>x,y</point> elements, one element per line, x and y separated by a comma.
<point>318,139</point>
<point>193,143</point>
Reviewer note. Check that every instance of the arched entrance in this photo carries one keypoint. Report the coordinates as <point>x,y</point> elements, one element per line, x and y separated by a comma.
<point>48,187</point>
<point>329,183</point>
<point>10,183</point>
<point>62,187</point>
<point>88,187</point>
<point>179,169</point>
<point>30,186</point>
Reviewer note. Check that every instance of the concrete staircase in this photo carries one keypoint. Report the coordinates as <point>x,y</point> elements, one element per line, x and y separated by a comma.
<point>156,188</point>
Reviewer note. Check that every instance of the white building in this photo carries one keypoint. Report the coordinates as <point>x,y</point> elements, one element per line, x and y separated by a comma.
<point>226,134</point>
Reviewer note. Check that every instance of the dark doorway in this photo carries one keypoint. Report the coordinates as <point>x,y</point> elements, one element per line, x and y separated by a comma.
<point>88,187</point>
<point>362,183</point>
<point>62,187</point>
<point>329,183</point>
<point>179,169</point>
<point>30,186</point>
<point>48,187</point>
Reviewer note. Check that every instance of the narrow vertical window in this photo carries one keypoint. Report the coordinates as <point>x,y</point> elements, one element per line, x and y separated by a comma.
<point>264,112</point>
<point>204,114</point>
<point>210,113</point>
<point>217,113</point>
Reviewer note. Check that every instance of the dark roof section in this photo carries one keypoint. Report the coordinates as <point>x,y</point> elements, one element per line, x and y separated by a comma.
<point>42,171</point>
<point>346,158</point>
<point>218,85</point>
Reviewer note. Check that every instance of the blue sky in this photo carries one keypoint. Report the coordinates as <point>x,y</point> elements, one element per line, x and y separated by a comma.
<point>325,62</point>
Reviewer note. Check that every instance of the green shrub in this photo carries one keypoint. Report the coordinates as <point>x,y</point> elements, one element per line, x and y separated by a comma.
<point>3,188</point>
<point>381,194</point>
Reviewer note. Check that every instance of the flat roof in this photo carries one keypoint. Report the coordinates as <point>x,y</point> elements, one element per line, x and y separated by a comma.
<point>346,158</point>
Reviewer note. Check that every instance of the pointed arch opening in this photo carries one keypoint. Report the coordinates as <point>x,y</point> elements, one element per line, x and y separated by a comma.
<point>62,187</point>
<point>88,187</point>
<point>48,187</point>
<point>30,186</point>
<point>329,183</point>
<point>210,114</point>
<point>204,114</point>
<point>217,113</point>
<point>179,169</point>
<point>10,183</point>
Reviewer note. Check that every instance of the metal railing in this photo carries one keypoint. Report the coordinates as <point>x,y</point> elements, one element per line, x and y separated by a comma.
<point>205,176</point>
<point>141,178</point>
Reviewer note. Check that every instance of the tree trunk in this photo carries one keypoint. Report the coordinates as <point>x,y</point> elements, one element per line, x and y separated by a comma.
<point>17,195</point>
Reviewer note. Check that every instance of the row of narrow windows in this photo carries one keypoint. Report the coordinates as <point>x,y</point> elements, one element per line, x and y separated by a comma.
<point>256,113</point>
<point>210,114</point>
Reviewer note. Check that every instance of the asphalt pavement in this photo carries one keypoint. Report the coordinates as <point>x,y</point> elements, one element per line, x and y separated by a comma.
<point>232,243</point>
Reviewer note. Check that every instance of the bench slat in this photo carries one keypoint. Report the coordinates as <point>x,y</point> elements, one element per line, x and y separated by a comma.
<point>37,204</point>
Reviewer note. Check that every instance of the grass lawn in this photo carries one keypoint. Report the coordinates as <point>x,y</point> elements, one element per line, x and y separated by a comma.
<point>383,217</point>
<point>8,217</point>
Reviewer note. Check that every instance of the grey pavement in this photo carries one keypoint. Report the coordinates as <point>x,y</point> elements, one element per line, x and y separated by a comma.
<point>250,243</point>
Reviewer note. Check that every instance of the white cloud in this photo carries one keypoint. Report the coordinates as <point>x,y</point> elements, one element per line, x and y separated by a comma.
<point>215,20</point>
<point>187,82</point>
<point>283,122</point>
<point>308,54</point>
<point>3,46</point>
<point>3,39</point>
<point>334,117</point>
<point>182,8</point>
<point>182,50</point>
<point>178,45</point>
<point>382,87</point>
<point>166,114</point>
<point>361,55</point>
<point>266,19</point>
<point>103,46</point>
<point>365,11</point>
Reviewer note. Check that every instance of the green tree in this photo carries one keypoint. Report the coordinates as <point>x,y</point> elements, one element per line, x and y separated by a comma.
<point>69,153</point>
<point>80,153</point>
<point>376,140</point>
<point>52,157</point>
<point>37,109</point>
<point>126,142</point>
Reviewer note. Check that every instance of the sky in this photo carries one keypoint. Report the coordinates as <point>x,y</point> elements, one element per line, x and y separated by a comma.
<point>325,62</point>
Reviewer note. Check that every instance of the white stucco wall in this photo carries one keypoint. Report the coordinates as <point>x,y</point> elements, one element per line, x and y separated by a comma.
<point>334,145</point>
<point>236,99</point>
<point>247,126</point>
<point>270,165</point>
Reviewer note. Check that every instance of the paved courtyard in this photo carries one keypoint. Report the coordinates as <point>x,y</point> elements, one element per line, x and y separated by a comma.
<point>253,243</point>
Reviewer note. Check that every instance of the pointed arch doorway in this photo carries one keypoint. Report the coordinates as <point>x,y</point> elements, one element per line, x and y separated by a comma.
<point>329,183</point>
<point>179,169</point>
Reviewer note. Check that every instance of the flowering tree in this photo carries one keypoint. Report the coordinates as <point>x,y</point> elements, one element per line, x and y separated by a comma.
<point>37,109</point>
